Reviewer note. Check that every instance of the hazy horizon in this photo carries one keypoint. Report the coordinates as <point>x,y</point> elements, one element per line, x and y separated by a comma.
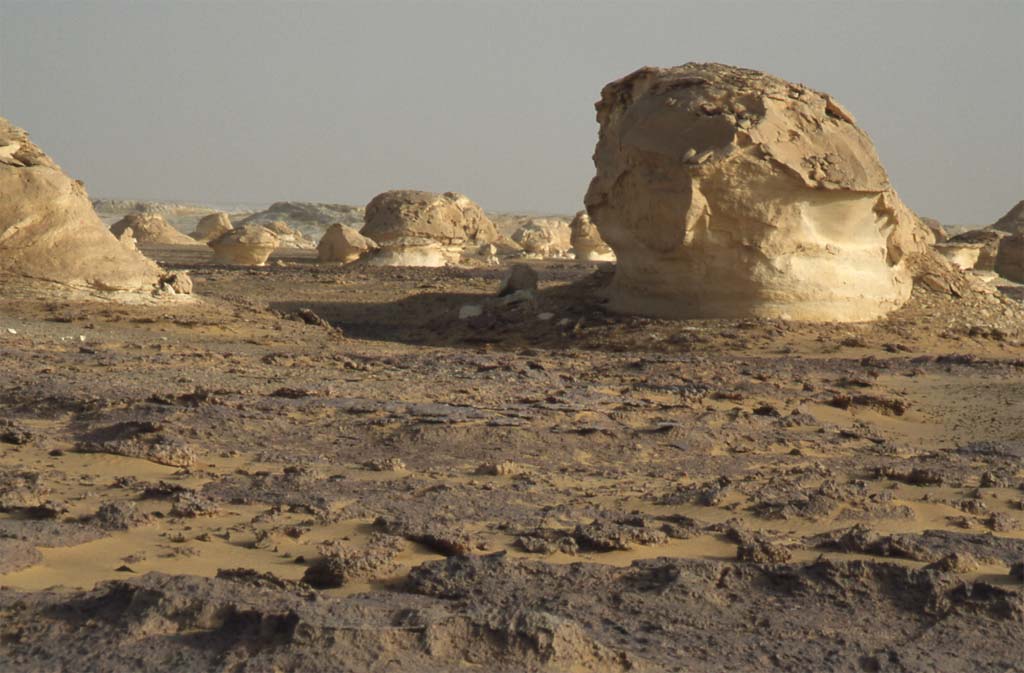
<point>255,102</point>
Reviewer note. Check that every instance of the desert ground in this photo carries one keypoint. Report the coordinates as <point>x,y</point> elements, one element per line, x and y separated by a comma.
<point>303,467</point>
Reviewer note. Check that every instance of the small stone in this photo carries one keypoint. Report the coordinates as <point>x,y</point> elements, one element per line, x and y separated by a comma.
<point>468,311</point>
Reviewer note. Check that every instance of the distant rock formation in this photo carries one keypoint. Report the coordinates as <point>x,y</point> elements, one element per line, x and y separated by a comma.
<point>987,242</point>
<point>544,237</point>
<point>288,237</point>
<point>1013,221</point>
<point>299,213</point>
<point>1009,262</point>
<point>587,244</point>
<point>726,192</point>
<point>342,244</point>
<point>212,226</point>
<point>938,231</point>
<point>49,230</point>
<point>964,256</point>
<point>248,245</point>
<point>415,228</point>
<point>151,229</point>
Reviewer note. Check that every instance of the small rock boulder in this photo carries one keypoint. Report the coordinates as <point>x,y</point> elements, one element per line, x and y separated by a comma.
<point>587,244</point>
<point>342,244</point>
<point>544,237</point>
<point>249,245</point>
<point>520,278</point>
<point>151,229</point>
<point>212,226</point>
<point>288,237</point>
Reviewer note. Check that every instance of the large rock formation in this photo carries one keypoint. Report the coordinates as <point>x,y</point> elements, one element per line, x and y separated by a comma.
<point>1009,261</point>
<point>587,244</point>
<point>249,245</point>
<point>342,244</point>
<point>151,229</point>
<point>1013,221</point>
<point>417,228</point>
<point>49,230</point>
<point>302,214</point>
<point>726,192</point>
<point>544,237</point>
<point>212,226</point>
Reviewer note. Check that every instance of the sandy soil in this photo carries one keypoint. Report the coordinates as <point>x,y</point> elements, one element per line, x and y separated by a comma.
<point>307,467</point>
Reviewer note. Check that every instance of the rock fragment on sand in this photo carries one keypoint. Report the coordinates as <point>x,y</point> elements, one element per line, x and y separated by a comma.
<point>250,245</point>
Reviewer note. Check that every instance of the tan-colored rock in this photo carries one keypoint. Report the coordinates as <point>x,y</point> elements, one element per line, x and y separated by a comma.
<point>544,237</point>
<point>587,244</point>
<point>343,244</point>
<point>988,241</point>
<point>249,245</point>
<point>151,229</point>
<point>934,226</point>
<point>962,255</point>
<point>212,226</point>
<point>1010,259</point>
<point>49,230</point>
<point>432,229</point>
<point>127,239</point>
<point>726,192</point>
<point>288,237</point>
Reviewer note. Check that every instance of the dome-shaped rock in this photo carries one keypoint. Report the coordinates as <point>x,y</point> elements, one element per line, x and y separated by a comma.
<point>151,229</point>
<point>343,244</point>
<point>249,245</point>
<point>726,192</point>
<point>49,230</point>
<point>212,226</point>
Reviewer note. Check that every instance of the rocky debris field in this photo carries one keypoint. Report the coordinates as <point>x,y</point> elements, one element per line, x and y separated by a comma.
<point>302,468</point>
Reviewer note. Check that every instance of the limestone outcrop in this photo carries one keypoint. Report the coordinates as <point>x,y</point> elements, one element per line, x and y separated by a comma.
<point>415,228</point>
<point>544,237</point>
<point>49,230</point>
<point>151,229</point>
<point>587,244</point>
<point>1009,261</point>
<point>248,245</point>
<point>964,256</point>
<point>727,192</point>
<point>212,226</point>
<point>986,240</point>
<point>934,226</point>
<point>343,244</point>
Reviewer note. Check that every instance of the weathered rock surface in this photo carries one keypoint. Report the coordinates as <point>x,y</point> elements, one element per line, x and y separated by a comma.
<point>297,214</point>
<point>212,226</point>
<point>938,231</point>
<point>288,237</point>
<point>987,240</point>
<point>152,229</point>
<point>49,230</point>
<point>544,237</point>
<point>726,192</point>
<point>1010,259</point>
<point>962,255</point>
<point>417,228</point>
<point>587,244</point>
<point>1013,221</point>
<point>343,244</point>
<point>249,245</point>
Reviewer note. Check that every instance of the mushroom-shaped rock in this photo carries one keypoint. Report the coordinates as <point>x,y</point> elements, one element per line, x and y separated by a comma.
<point>1010,259</point>
<point>587,244</point>
<point>413,251</point>
<point>212,226</point>
<point>151,229</point>
<point>962,255</point>
<point>49,230</point>
<point>726,192</point>
<point>544,237</point>
<point>411,221</point>
<point>988,242</point>
<point>343,244</point>
<point>249,245</point>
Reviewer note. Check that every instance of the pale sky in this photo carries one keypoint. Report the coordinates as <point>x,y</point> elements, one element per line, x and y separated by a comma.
<point>336,101</point>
